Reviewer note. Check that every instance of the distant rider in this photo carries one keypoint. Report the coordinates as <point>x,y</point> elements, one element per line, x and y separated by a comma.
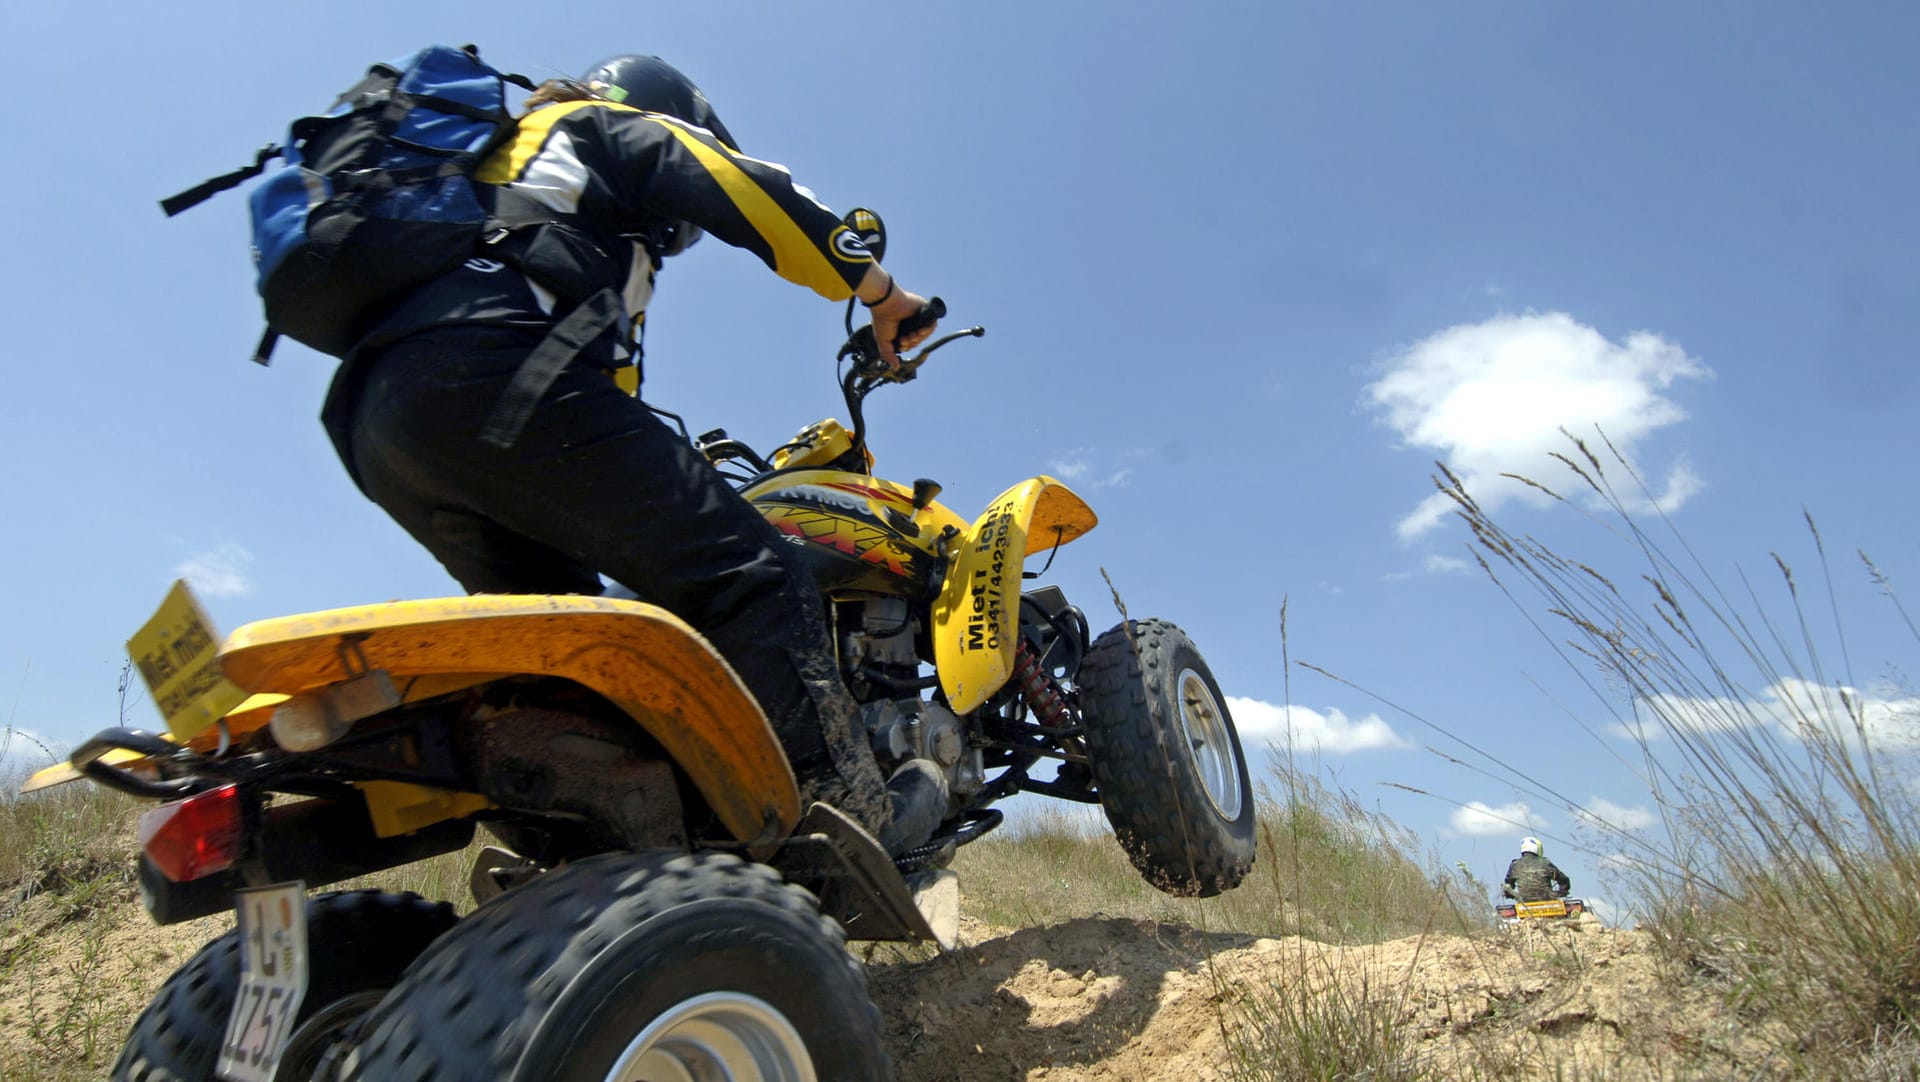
<point>1531,877</point>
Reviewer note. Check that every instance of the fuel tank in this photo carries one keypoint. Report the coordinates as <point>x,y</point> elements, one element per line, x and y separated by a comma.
<point>858,534</point>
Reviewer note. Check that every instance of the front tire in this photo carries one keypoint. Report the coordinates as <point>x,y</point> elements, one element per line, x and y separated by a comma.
<point>625,967</point>
<point>1167,759</point>
<point>362,940</point>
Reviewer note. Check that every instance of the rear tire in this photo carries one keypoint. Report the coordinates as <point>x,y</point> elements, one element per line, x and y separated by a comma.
<point>1167,759</point>
<point>625,967</point>
<point>361,941</point>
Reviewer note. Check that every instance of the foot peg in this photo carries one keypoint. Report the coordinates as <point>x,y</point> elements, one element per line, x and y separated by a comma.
<point>496,871</point>
<point>918,794</point>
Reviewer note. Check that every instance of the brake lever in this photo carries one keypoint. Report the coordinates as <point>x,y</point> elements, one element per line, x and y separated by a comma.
<point>876,373</point>
<point>864,348</point>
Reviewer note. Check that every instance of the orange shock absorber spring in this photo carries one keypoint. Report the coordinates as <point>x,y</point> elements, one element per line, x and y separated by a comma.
<point>1042,692</point>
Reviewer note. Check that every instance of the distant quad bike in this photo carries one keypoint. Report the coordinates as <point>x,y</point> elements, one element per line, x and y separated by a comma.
<point>1513,913</point>
<point>660,905</point>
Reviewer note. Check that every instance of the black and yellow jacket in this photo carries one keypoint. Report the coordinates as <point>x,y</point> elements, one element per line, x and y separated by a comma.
<point>621,187</point>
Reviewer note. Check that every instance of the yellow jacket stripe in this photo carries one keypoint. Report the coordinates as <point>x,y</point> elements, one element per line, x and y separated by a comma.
<point>618,166</point>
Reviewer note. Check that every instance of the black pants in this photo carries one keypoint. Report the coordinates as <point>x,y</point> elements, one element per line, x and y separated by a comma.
<point>596,484</point>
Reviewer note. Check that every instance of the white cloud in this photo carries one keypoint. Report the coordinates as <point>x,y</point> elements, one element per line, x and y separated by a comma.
<point>1312,731</point>
<point>1636,730</point>
<point>1079,466</point>
<point>1491,398</point>
<point>221,572</point>
<point>27,748</point>
<point>21,753</point>
<point>1682,485</point>
<point>1799,709</point>
<point>1479,820</point>
<point>1433,565</point>
<point>1624,864</point>
<point>1606,813</point>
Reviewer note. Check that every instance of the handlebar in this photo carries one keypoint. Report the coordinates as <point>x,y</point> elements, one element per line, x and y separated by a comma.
<point>862,347</point>
<point>867,373</point>
<point>865,353</point>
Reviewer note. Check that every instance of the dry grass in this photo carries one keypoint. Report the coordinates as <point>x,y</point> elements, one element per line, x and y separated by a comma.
<point>1326,868</point>
<point>1787,874</point>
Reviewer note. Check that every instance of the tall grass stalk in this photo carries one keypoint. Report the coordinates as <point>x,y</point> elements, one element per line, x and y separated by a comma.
<point>1790,873</point>
<point>1318,1028</point>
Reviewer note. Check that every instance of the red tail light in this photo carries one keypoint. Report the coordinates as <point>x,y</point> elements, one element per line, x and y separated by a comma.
<point>196,837</point>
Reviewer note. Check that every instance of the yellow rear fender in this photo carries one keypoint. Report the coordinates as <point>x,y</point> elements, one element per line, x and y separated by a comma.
<point>640,657</point>
<point>977,615</point>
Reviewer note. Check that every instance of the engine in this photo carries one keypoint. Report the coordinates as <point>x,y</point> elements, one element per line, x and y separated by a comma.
<point>882,664</point>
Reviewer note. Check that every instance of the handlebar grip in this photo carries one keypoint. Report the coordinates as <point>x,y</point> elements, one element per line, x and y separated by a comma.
<point>865,351</point>
<point>930,313</point>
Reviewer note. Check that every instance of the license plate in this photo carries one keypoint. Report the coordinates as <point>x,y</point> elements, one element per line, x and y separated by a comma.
<point>273,981</point>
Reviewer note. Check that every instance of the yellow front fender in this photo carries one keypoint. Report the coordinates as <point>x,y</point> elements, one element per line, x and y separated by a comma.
<point>977,614</point>
<point>642,658</point>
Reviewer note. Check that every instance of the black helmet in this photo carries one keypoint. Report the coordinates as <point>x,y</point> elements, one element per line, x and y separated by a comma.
<point>650,83</point>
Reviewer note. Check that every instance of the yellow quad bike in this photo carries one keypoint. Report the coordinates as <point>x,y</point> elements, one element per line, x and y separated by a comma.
<point>659,905</point>
<point>1512,913</point>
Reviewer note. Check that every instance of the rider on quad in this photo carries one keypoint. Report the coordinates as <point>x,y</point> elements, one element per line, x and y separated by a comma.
<point>588,481</point>
<point>1531,877</point>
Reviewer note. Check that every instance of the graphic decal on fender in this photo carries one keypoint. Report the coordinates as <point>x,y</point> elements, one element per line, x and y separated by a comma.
<point>987,588</point>
<point>857,539</point>
<point>881,494</point>
<point>817,495</point>
<point>849,497</point>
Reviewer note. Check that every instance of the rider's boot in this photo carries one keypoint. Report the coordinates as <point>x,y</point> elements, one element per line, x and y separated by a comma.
<point>918,794</point>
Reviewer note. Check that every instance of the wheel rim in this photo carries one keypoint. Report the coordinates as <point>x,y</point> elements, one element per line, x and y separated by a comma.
<point>309,1044</point>
<point>717,1037</point>
<point>1210,742</point>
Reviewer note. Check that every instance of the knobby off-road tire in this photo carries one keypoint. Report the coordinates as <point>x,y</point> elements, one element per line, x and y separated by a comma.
<point>1167,759</point>
<point>625,967</point>
<point>359,942</point>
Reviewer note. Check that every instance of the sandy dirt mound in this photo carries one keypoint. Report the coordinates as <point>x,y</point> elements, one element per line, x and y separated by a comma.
<point>72,978</point>
<point>1090,999</point>
<point>1103,999</point>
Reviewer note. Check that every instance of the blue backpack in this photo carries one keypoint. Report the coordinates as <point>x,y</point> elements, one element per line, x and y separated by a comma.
<point>376,197</point>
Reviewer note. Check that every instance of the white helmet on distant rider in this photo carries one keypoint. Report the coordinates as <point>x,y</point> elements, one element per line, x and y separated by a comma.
<point>1530,845</point>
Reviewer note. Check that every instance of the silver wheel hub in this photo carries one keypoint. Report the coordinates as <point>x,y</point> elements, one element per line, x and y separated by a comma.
<point>1209,737</point>
<point>717,1037</point>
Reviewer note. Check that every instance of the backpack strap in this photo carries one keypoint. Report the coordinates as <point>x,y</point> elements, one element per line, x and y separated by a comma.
<point>207,189</point>
<point>263,352</point>
<point>588,320</point>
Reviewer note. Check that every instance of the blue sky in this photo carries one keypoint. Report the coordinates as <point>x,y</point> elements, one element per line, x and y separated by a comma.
<point>1247,271</point>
